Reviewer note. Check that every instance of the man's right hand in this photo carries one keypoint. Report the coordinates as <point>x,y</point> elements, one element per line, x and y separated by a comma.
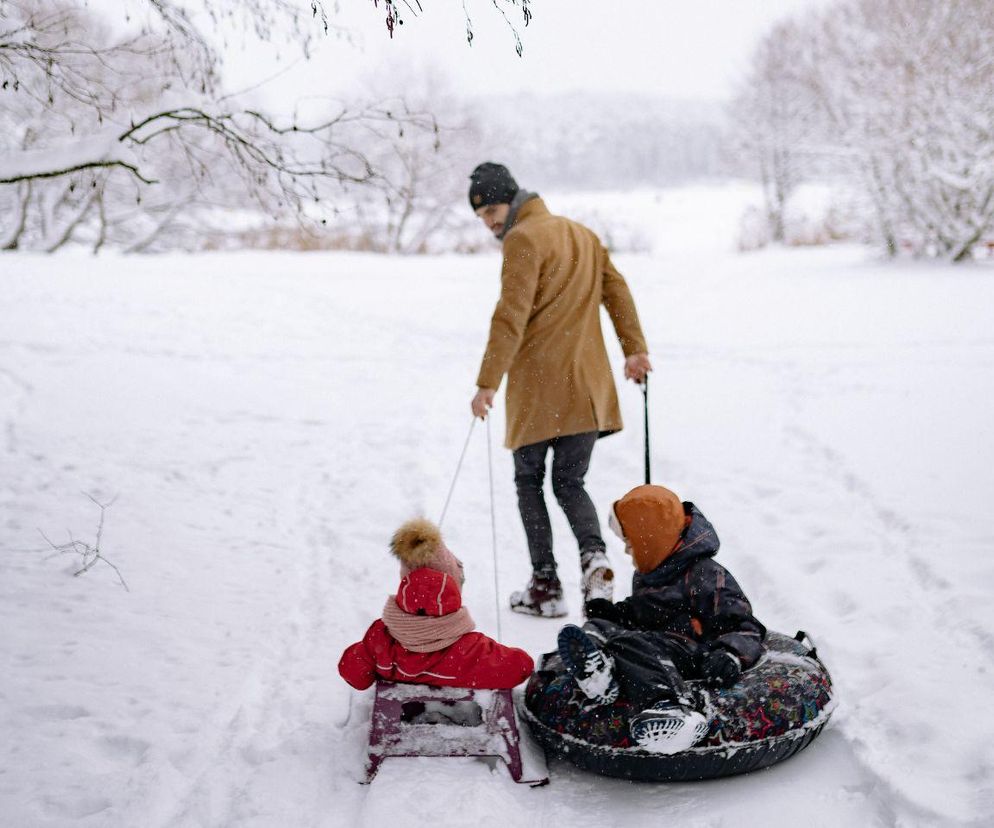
<point>637,366</point>
<point>482,402</point>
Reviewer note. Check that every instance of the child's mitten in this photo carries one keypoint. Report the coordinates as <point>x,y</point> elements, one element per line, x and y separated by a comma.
<point>722,668</point>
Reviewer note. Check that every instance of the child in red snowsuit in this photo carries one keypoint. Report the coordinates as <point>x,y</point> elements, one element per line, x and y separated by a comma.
<point>425,635</point>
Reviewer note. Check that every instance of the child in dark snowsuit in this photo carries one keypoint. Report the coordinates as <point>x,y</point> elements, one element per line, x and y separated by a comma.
<point>686,618</point>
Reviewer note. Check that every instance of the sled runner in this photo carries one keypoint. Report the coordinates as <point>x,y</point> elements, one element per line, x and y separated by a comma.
<point>422,720</point>
<point>776,710</point>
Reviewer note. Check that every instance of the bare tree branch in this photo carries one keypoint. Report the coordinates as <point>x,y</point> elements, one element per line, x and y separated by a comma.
<point>89,555</point>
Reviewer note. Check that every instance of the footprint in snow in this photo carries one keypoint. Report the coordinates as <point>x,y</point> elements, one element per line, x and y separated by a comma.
<point>75,807</point>
<point>125,748</point>
<point>59,712</point>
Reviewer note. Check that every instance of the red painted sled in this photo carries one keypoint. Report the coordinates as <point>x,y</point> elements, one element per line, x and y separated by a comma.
<point>423,720</point>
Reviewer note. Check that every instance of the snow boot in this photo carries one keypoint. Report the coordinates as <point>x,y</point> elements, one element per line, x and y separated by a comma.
<point>667,728</point>
<point>598,577</point>
<point>591,668</point>
<point>543,596</point>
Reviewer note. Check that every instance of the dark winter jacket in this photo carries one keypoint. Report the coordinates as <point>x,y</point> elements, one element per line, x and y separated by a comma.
<point>694,600</point>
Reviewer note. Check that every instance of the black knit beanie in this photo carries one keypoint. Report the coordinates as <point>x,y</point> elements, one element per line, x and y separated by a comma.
<point>491,183</point>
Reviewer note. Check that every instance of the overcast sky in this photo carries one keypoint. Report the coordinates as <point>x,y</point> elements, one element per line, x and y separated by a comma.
<point>680,48</point>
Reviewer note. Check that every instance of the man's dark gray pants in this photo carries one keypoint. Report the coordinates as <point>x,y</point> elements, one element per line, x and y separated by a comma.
<point>570,461</point>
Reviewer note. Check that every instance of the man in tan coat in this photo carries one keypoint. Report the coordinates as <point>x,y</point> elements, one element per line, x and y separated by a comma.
<point>546,339</point>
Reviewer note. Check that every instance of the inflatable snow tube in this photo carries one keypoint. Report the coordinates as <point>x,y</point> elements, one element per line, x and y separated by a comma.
<point>776,709</point>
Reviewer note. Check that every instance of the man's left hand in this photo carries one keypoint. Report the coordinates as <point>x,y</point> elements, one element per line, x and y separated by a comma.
<point>637,366</point>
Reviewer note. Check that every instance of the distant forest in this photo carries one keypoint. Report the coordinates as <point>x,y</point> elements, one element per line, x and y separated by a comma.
<point>605,141</point>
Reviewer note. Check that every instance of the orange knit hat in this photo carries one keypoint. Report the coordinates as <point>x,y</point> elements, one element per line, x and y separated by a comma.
<point>652,520</point>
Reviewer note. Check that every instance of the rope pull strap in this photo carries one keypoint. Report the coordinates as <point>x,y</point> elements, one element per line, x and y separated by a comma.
<point>455,477</point>
<point>493,528</point>
<point>493,510</point>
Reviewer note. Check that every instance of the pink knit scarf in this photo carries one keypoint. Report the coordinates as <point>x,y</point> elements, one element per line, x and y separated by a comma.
<point>426,633</point>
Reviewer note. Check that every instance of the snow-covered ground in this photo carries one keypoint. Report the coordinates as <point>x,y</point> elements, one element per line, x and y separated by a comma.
<point>265,421</point>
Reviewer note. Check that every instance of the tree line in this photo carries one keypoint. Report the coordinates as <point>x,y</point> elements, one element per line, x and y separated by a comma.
<point>122,133</point>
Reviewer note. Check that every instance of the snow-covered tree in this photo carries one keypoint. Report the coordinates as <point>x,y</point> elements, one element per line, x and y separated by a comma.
<point>420,193</point>
<point>927,120</point>
<point>898,95</point>
<point>772,120</point>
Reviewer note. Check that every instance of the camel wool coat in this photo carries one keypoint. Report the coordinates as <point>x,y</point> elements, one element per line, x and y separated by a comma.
<point>545,334</point>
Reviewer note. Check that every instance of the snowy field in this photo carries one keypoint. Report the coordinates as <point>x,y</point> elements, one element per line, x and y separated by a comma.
<point>265,421</point>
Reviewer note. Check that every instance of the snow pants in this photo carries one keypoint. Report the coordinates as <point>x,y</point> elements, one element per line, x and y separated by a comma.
<point>649,666</point>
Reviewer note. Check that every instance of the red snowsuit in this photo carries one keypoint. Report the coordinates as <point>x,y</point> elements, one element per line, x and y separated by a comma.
<point>474,660</point>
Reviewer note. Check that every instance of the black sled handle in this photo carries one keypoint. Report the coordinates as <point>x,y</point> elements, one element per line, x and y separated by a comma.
<point>813,651</point>
<point>645,402</point>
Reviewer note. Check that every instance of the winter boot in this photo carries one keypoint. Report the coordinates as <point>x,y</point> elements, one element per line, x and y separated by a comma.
<point>598,577</point>
<point>667,728</point>
<point>543,596</point>
<point>592,669</point>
